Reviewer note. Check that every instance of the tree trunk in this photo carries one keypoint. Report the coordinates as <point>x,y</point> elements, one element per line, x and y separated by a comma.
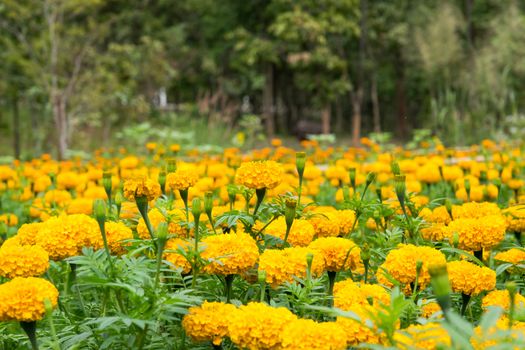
<point>357,99</point>
<point>375,105</point>
<point>325,119</point>
<point>401,107</point>
<point>268,104</point>
<point>339,115</point>
<point>61,124</point>
<point>16,126</point>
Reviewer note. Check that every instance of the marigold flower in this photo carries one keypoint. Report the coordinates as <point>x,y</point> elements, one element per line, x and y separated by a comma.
<point>431,309</point>
<point>428,173</point>
<point>475,210</point>
<point>172,253</point>
<point>57,197</point>
<point>300,235</point>
<point>501,298</point>
<point>116,234</point>
<point>428,336</point>
<point>130,162</point>
<point>141,187</point>
<point>208,322</point>
<point>22,299</point>
<point>470,279</point>
<point>515,218</point>
<point>283,265</point>
<point>228,254</point>
<point>401,264</point>
<point>304,333</point>
<point>514,256</point>
<point>338,253</point>
<point>22,260</point>
<point>326,224</point>
<point>257,326</point>
<point>182,179</point>
<point>499,335</point>
<point>68,180</point>
<point>9,219</point>
<point>259,174</point>
<point>348,295</point>
<point>27,233</point>
<point>80,206</point>
<point>482,232</point>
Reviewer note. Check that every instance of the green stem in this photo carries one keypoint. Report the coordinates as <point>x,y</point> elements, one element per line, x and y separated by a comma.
<point>465,300</point>
<point>331,281</point>
<point>260,192</point>
<point>30,329</point>
<point>229,285</point>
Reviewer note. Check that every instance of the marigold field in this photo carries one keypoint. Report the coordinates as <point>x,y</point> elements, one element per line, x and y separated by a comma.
<point>314,248</point>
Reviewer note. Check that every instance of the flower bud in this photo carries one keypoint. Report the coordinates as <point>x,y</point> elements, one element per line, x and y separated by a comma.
<point>300,163</point>
<point>289,211</point>
<point>232,193</point>
<point>99,209</point>
<point>467,186</point>
<point>352,172</point>
<point>106,182</point>
<point>172,165</point>
<point>162,231</point>
<point>483,177</point>
<point>400,187</point>
<point>419,266</point>
<point>196,207</point>
<point>48,306</point>
<point>365,253</point>
<point>455,239</point>
<point>162,180</point>
<point>370,177</point>
<point>309,260</point>
<point>208,203</point>
<point>394,166</point>
<point>441,286</point>
<point>261,276</point>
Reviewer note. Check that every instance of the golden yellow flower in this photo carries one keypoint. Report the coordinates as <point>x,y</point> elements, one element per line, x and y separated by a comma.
<point>348,295</point>
<point>516,218</point>
<point>303,333</point>
<point>57,197</point>
<point>27,233</point>
<point>429,336</point>
<point>182,179</point>
<point>141,187</point>
<point>22,299</point>
<point>482,232</point>
<point>208,322</point>
<point>474,210</point>
<point>501,298</point>
<point>499,336</point>
<point>326,224</point>
<point>470,279</point>
<point>232,253</point>
<point>80,206</point>
<point>338,253</point>
<point>259,174</point>
<point>283,265</point>
<point>9,219</point>
<point>301,233</point>
<point>357,332</point>
<point>130,162</point>
<point>116,234</point>
<point>257,326</point>
<point>431,309</point>
<point>172,253</point>
<point>401,263</point>
<point>22,260</point>
<point>68,180</point>
<point>514,256</point>
<point>428,173</point>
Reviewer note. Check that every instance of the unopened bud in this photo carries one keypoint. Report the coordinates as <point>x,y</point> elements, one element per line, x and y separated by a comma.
<point>261,276</point>
<point>196,207</point>
<point>106,182</point>
<point>370,177</point>
<point>400,187</point>
<point>48,306</point>
<point>300,163</point>
<point>162,231</point>
<point>208,203</point>
<point>352,172</point>
<point>99,210</point>
<point>419,266</point>
<point>162,180</point>
<point>309,260</point>
<point>172,165</point>
<point>289,211</point>
<point>394,166</point>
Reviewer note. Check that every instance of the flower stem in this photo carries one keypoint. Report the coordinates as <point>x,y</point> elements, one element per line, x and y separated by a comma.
<point>228,289</point>
<point>260,192</point>
<point>331,281</point>
<point>465,300</point>
<point>30,329</point>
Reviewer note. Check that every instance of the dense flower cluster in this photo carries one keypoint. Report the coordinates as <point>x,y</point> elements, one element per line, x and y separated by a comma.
<point>208,322</point>
<point>515,218</point>
<point>287,264</point>
<point>470,279</point>
<point>141,187</point>
<point>401,264</point>
<point>259,174</point>
<point>308,334</point>
<point>300,235</point>
<point>22,261</point>
<point>338,253</point>
<point>479,233</point>
<point>229,254</point>
<point>22,299</point>
<point>117,233</point>
<point>181,179</point>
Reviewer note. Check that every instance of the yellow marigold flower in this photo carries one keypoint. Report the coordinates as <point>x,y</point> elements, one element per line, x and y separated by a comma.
<point>301,233</point>
<point>475,210</point>
<point>27,233</point>
<point>452,173</point>
<point>514,256</point>
<point>141,187</point>
<point>22,261</point>
<point>357,332</point>
<point>22,299</point>
<point>228,254</point>
<point>431,309</point>
<point>80,206</point>
<point>172,253</point>
<point>475,234</point>
<point>470,279</point>
<point>346,220</point>
<point>130,162</point>
<point>257,326</point>
<point>182,179</point>
<point>116,233</point>
<point>95,192</point>
<point>401,264</point>
<point>259,174</point>
<point>65,236</point>
<point>437,215</point>
<point>516,218</point>
<point>501,298</point>
<point>6,173</point>
<point>303,333</point>
<point>128,210</point>
<point>57,197</point>
<point>428,173</point>
<point>208,322</point>
<point>429,336</point>
<point>41,183</point>
<point>348,295</point>
<point>68,180</point>
<point>338,253</point>
<point>326,224</point>
<point>283,265</point>
<point>155,217</point>
<point>435,232</point>
<point>9,219</point>
<point>499,336</point>
<point>150,146</point>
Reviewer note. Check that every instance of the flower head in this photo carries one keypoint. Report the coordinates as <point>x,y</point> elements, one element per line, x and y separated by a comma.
<point>208,322</point>
<point>470,279</point>
<point>182,179</point>
<point>141,187</point>
<point>228,254</point>
<point>338,253</point>
<point>22,260</point>
<point>482,232</point>
<point>316,336</point>
<point>259,174</point>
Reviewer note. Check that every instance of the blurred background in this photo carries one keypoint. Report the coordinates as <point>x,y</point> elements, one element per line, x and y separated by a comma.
<point>76,75</point>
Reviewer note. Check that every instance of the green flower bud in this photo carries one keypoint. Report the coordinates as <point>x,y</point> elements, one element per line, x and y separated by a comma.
<point>261,276</point>
<point>352,172</point>
<point>400,187</point>
<point>300,163</point>
<point>441,286</point>
<point>289,211</point>
<point>419,266</point>
<point>394,166</point>
<point>48,306</point>
<point>162,180</point>
<point>172,166</point>
<point>309,260</point>
<point>107,183</point>
<point>370,177</point>
<point>346,193</point>
<point>196,207</point>
<point>162,231</point>
<point>99,209</point>
<point>208,203</point>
